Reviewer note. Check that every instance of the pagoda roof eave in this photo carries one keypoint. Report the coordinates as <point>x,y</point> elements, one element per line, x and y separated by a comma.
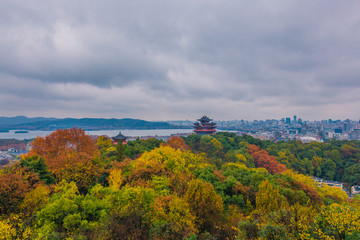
<point>205,130</point>
<point>205,119</point>
<point>119,137</point>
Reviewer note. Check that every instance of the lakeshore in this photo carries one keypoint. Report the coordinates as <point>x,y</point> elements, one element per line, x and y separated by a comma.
<point>129,133</point>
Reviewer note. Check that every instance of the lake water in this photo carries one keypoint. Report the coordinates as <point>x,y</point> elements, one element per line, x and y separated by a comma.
<point>111,133</point>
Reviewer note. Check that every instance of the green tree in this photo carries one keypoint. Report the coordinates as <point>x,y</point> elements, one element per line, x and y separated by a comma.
<point>120,149</point>
<point>328,169</point>
<point>71,215</point>
<point>37,164</point>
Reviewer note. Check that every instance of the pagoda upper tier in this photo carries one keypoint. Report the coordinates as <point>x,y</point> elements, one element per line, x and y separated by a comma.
<point>204,126</point>
<point>204,119</point>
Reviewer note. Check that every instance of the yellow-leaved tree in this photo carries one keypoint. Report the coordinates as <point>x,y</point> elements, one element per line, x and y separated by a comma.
<point>166,159</point>
<point>338,221</point>
<point>206,205</point>
<point>35,199</point>
<point>267,199</point>
<point>115,178</point>
<point>172,218</point>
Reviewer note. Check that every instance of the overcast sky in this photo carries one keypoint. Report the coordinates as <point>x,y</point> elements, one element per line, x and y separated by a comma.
<point>177,60</point>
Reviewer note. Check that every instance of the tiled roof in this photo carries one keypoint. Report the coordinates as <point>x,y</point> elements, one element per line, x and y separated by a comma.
<point>119,137</point>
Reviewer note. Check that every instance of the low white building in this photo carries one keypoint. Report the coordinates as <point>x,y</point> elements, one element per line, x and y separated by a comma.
<point>355,189</point>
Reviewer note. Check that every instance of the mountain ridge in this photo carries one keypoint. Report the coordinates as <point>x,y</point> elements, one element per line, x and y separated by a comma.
<point>39,123</point>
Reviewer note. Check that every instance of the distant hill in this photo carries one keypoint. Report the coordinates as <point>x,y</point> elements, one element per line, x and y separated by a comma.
<point>25,123</point>
<point>6,121</point>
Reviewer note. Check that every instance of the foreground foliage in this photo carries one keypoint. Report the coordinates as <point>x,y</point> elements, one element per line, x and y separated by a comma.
<point>211,187</point>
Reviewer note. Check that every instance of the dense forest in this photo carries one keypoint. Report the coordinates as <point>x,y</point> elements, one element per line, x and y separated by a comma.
<point>70,186</point>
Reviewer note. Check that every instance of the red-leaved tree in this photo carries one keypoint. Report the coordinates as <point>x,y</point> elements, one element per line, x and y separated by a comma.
<point>264,160</point>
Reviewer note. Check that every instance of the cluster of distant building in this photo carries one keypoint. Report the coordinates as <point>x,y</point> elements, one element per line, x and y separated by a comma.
<point>11,154</point>
<point>276,130</point>
<point>354,190</point>
<point>5,158</point>
<point>289,129</point>
<point>297,129</point>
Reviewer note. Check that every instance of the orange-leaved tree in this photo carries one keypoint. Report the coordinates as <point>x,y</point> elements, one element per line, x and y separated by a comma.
<point>71,155</point>
<point>177,143</point>
<point>263,159</point>
<point>13,189</point>
<point>15,182</point>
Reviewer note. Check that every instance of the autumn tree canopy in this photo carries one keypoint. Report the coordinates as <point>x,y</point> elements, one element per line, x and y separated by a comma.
<point>70,154</point>
<point>263,159</point>
<point>223,187</point>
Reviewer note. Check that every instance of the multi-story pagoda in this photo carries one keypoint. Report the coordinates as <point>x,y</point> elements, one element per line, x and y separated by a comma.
<point>204,126</point>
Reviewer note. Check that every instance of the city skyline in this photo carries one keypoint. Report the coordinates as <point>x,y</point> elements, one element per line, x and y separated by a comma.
<point>285,119</point>
<point>179,60</point>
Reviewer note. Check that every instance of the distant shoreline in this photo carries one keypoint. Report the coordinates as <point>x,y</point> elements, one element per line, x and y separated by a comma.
<point>22,123</point>
<point>113,132</point>
<point>21,131</point>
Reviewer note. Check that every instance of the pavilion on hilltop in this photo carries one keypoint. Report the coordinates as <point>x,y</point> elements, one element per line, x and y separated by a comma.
<point>204,126</point>
<point>119,138</point>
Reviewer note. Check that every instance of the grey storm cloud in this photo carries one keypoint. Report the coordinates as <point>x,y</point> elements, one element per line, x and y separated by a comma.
<point>178,59</point>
